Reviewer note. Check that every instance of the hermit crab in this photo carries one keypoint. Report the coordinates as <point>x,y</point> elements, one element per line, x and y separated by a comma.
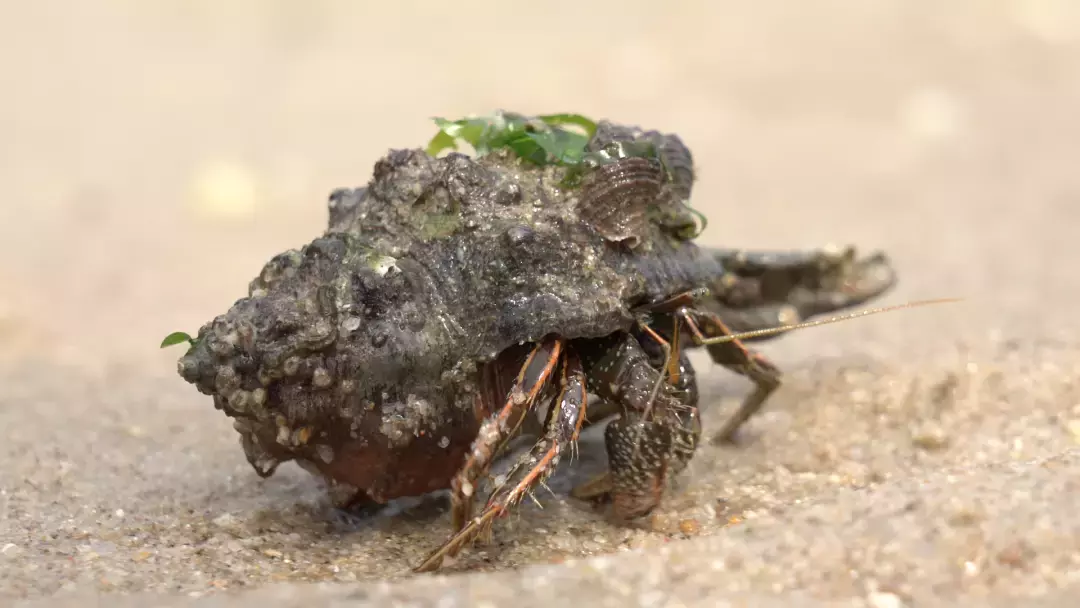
<point>547,282</point>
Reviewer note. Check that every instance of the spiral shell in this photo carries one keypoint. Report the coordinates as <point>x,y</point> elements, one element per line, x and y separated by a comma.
<point>616,196</point>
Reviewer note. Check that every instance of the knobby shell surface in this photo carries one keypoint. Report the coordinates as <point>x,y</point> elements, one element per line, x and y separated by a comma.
<point>363,346</point>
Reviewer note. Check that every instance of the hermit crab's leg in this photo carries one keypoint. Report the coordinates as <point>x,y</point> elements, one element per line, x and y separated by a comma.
<point>672,361</point>
<point>681,376</point>
<point>642,452</point>
<point>725,348</point>
<point>497,430</point>
<point>563,424</point>
<point>735,356</point>
<point>665,363</point>
<point>675,367</point>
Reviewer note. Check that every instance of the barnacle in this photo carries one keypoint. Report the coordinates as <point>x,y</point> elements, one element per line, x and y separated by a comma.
<point>678,161</point>
<point>616,196</point>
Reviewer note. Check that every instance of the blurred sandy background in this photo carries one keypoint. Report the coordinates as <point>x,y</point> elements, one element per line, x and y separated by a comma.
<point>153,154</point>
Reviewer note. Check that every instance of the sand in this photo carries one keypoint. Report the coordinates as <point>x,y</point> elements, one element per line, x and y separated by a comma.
<point>157,154</point>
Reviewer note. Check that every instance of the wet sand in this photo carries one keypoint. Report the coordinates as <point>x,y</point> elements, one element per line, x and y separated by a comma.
<point>157,155</point>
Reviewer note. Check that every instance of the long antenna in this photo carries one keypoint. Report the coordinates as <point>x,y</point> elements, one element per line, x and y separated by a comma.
<point>769,331</point>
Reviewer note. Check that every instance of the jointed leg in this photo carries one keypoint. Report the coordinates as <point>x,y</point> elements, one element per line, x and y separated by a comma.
<point>667,361</point>
<point>496,431</point>
<point>695,311</point>
<point>667,354</point>
<point>563,425</point>
<point>738,358</point>
<point>672,363</point>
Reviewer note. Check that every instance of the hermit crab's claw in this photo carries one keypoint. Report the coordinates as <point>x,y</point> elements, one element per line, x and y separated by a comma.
<point>764,289</point>
<point>843,280</point>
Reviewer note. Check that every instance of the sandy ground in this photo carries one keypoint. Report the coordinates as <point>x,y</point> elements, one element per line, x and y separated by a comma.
<point>155,154</point>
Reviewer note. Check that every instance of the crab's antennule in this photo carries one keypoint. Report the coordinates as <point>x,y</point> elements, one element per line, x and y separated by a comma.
<point>768,331</point>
